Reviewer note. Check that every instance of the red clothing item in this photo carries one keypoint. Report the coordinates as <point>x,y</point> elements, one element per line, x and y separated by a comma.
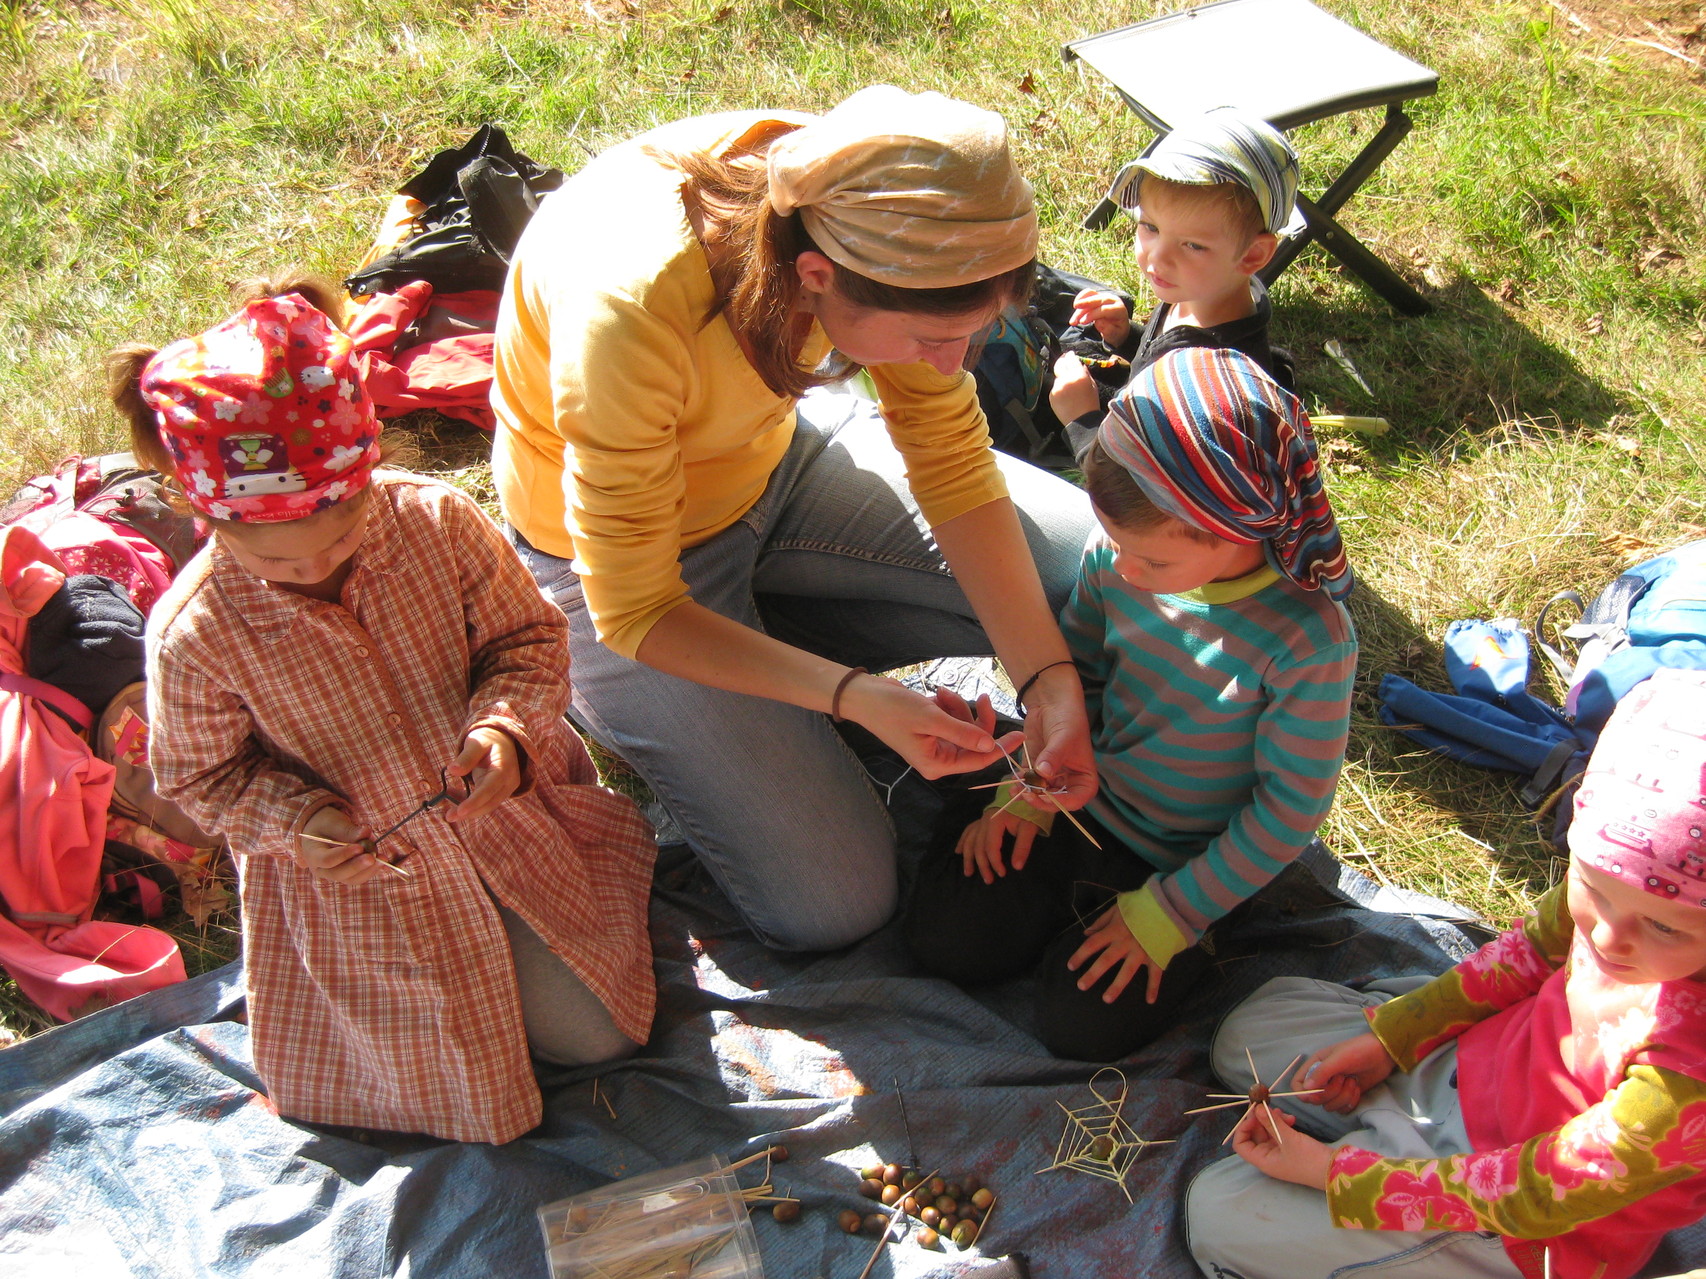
<point>393,1004</point>
<point>53,798</point>
<point>1577,1039</point>
<point>451,373</point>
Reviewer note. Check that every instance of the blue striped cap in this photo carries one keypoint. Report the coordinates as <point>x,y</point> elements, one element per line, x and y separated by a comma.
<point>1223,145</point>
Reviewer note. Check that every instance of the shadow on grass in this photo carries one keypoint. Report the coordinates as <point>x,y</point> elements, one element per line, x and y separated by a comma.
<point>1470,364</point>
<point>1484,803</point>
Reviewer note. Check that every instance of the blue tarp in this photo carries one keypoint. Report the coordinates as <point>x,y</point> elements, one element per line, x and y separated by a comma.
<point>137,1142</point>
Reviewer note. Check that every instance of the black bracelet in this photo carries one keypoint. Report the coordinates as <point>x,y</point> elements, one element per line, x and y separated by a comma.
<point>1024,688</point>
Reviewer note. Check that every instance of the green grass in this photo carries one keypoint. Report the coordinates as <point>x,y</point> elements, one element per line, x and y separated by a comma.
<point>1546,417</point>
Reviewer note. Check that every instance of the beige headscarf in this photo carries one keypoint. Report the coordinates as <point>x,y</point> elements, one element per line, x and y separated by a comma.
<point>917,190</point>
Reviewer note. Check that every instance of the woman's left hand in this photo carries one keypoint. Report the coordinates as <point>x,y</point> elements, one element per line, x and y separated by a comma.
<point>491,761</point>
<point>1292,1156</point>
<point>1057,740</point>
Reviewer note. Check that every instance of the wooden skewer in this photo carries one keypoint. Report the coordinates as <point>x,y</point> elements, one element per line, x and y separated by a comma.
<point>339,843</point>
<point>882,1241</point>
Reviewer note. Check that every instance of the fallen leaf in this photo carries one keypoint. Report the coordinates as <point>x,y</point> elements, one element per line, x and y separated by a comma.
<point>1506,292</point>
<point>1595,325</point>
<point>1659,257</point>
<point>1028,84</point>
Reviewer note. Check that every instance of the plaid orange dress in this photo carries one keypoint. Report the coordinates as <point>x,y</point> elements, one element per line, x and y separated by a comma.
<point>394,1004</point>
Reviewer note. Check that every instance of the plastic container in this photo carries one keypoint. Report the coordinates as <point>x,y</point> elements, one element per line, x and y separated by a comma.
<point>686,1222</point>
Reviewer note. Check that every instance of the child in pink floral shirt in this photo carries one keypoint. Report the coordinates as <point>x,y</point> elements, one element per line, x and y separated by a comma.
<point>1538,1110</point>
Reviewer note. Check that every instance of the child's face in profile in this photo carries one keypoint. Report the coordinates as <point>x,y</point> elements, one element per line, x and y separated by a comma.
<point>1189,249</point>
<point>1636,937</point>
<point>1167,559</point>
<point>309,556</point>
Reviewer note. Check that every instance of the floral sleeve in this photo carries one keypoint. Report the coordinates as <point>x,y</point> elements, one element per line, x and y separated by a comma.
<point>1648,1134</point>
<point>1511,967</point>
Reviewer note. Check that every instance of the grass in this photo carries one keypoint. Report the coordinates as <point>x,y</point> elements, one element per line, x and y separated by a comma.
<point>1547,416</point>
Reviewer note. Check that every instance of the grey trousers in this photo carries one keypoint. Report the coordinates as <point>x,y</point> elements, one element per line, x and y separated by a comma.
<point>567,1025</point>
<point>1243,1224</point>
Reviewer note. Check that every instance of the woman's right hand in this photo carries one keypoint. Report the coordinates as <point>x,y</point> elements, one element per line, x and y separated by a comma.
<point>937,736</point>
<point>337,851</point>
<point>1340,1074</point>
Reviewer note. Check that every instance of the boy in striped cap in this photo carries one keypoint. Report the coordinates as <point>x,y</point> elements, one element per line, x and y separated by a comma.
<point>1211,202</point>
<point>1217,660</point>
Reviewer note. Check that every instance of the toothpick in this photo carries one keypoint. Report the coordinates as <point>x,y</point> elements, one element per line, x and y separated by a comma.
<point>882,1241</point>
<point>750,1159</point>
<point>599,1097</point>
<point>339,843</point>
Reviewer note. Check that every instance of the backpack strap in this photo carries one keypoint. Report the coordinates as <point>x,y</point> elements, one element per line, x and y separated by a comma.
<point>1564,666</point>
<point>56,699</point>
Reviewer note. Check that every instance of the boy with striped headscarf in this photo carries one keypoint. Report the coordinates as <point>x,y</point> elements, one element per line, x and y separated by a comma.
<point>1211,201</point>
<point>1217,658</point>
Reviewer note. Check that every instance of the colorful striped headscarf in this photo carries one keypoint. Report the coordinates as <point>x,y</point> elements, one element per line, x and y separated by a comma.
<point>914,189</point>
<point>1223,145</point>
<point>1214,441</point>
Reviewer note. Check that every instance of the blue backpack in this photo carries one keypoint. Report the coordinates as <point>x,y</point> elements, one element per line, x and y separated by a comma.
<point>1653,615</point>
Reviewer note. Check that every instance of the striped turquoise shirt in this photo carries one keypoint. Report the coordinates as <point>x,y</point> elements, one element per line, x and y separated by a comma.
<point>1219,718</point>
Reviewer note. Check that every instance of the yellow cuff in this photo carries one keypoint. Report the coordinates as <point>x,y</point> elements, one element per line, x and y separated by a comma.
<point>1150,924</point>
<point>1005,801</point>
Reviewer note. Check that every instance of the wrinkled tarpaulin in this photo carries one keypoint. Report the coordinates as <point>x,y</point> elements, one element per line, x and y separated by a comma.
<point>134,1143</point>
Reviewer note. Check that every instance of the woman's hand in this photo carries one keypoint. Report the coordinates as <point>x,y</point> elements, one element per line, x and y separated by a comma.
<point>1109,942</point>
<point>334,848</point>
<point>1341,1073</point>
<point>1074,391</point>
<point>1057,740</point>
<point>936,735</point>
<point>491,761</point>
<point>1294,1156</point>
<point>1106,311</point>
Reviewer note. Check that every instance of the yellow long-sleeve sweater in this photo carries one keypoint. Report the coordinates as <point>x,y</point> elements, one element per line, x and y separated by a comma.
<point>629,428</point>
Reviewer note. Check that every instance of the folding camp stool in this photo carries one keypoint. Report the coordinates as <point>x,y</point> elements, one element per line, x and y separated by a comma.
<point>1289,63</point>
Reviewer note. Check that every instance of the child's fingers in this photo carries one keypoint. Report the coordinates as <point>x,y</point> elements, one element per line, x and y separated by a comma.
<point>1129,968</point>
<point>1023,839</point>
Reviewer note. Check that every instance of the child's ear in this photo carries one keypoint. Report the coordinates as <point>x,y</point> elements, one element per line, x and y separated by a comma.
<point>1259,253</point>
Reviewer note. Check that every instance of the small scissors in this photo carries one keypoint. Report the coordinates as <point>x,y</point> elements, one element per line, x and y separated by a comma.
<point>445,794</point>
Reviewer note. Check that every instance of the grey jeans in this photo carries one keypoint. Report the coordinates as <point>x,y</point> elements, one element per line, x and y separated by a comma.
<point>1242,1224</point>
<point>834,558</point>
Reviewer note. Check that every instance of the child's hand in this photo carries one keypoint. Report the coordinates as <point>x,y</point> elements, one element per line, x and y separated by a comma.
<point>1294,1156</point>
<point>1106,312</point>
<point>1342,1072</point>
<point>1074,391</point>
<point>980,844</point>
<point>1110,940</point>
<point>332,847</point>
<point>491,761</point>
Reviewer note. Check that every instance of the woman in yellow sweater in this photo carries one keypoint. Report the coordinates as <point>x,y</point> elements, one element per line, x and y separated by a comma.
<point>730,565</point>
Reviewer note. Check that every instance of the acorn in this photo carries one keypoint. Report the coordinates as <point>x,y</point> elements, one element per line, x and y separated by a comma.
<point>1102,1147</point>
<point>892,1173</point>
<point>910,1205</point>
<point>850,1221</point>
<point>937,1187</point>
<point>947,1205</point>
<point>929,1215</point>
<point>871,1172</point>
<point>876,1223</point>
<point>972,1184</point>
<point>947,1224</point>
<point>871,1188</point>
<point>786,1211</point>
<point>778,1154</point>
<point>964,1233</point>
<point>955,1190</point>
<point>928,1238</point>
<point>910,1178</point>
<point>891,1195</point>
<point>982,1197</point>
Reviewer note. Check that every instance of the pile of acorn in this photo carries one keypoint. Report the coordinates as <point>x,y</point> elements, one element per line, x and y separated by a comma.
<point>955,1209</point>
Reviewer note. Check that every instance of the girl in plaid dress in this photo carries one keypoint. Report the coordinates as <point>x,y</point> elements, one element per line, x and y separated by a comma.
<point>350,643</point>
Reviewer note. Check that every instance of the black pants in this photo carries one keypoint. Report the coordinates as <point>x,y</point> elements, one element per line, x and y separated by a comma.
<point>970,932</point>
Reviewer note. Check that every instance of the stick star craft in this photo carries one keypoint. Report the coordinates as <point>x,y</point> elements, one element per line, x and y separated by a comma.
<point>1257,1096</point>
<point>1030,782</point>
